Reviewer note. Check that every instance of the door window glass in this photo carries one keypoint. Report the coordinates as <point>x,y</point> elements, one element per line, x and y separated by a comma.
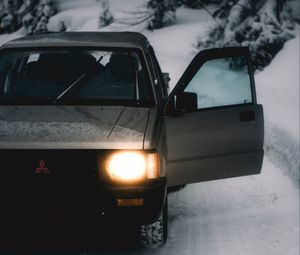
<point>222,82</point>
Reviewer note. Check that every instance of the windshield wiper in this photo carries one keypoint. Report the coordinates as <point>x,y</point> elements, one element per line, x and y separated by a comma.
<point>77,81</point>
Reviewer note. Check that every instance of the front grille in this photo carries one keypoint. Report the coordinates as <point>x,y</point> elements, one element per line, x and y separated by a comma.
<point>47,170</point>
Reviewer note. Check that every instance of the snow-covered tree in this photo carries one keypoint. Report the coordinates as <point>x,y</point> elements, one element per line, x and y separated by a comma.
<point>33,15</point>
<point>152,15</point>
<point>9,15</point>
<point>105,16</point>
<point>44,10</point>
<point>264,26</point>
<point>161,12</point>
<point>26,15</point>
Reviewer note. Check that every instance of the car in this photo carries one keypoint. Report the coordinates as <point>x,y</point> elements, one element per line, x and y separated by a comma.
<point>89,130</point>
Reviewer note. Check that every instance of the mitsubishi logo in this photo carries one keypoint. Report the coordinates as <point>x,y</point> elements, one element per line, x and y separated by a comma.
<point>41,168</point>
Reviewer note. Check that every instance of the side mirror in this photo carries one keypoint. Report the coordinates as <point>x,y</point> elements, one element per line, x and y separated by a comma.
<point>186,102</point>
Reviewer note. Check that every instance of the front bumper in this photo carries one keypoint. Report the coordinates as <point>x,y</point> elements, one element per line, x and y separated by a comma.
<point>82,207</point>
<point>71,198</point>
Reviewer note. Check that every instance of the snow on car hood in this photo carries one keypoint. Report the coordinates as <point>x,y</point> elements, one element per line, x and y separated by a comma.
<point>72,127</point>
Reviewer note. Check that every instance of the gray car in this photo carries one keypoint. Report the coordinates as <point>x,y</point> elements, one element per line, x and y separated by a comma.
<point>89,128</point>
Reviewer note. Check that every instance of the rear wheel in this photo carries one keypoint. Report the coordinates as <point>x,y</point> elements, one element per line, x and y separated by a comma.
<point>155,234</point>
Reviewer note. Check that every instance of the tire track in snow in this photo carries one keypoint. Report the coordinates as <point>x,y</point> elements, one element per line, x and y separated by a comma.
<point>283,151</point>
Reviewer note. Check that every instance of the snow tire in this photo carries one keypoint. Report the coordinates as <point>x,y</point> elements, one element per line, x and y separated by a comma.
<point>155,234</point>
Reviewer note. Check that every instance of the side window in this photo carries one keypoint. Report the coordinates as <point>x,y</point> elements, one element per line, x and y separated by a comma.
<point>222,82</point>
<point>160,78</point>
<point>158,75</point>
<point>157,84</point>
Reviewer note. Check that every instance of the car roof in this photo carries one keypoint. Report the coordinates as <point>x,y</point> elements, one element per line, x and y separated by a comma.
<point>81,39</point>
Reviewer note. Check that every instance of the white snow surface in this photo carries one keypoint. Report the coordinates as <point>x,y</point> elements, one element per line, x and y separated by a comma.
<point>278,90</point>
<point>279,82</point>
<point>83,18</point>
<point>72,4</point>
<point>247,215</point>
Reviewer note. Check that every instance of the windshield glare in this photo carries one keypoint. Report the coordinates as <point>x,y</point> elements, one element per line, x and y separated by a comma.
<point>72,75</point>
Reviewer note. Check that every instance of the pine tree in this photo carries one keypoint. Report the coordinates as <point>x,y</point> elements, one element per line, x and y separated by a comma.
<point>264,26</point>
<point>162,12</point>
<point>44,10</point>
<point>153,15</point>
<point>9,15</point>
<point>105,17</point>
<point>26,15</point>
<point>33,15</point>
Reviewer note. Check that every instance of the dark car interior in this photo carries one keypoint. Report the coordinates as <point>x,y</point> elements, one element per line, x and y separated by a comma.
<point>73,74</point>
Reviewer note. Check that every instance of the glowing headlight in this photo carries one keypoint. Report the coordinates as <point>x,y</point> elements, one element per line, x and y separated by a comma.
<point>132,166</point>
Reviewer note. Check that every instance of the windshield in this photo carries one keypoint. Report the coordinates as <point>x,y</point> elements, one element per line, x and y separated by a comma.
<point>68,76</point>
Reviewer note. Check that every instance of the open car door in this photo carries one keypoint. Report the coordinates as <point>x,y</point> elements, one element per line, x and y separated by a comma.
<point>214,126</point>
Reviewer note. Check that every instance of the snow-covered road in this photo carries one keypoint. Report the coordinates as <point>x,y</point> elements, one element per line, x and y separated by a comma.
<point>248,215</point>
<point>255,215</point>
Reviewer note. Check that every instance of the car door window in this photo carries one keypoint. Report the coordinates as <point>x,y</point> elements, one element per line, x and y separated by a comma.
<point>222,82</point>
<point>158,74</point>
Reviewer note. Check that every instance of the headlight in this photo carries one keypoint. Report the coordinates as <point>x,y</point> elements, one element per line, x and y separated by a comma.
<point>132,166</point>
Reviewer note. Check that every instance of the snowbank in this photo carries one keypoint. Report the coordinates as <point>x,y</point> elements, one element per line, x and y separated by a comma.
<point>71,4</point>
<point>84,18</point>
<point>278,91</point>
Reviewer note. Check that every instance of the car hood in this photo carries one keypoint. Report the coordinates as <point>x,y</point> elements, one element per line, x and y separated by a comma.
<point>72,127</point>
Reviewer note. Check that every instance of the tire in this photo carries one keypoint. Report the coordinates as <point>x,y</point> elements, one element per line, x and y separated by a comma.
<point>155,234</point>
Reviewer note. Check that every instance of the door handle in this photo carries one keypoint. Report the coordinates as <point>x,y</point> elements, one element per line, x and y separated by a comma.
<point>247,116</point>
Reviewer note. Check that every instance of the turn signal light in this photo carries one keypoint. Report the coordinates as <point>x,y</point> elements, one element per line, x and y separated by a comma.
<point>130,201</point>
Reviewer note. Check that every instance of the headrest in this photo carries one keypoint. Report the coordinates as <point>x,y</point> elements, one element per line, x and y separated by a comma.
<point>122,65</point>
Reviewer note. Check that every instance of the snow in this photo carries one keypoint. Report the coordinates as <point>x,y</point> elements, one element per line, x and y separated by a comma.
<point>278,81</point>
<point>8,37</point>
<point>278,89</point>
<point>72,4</point>
<point>76,19</point>
<point>248,215</point>
<point>174,57</point>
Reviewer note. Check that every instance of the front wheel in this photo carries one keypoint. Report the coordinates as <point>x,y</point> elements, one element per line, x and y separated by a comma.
<point>155,234</point>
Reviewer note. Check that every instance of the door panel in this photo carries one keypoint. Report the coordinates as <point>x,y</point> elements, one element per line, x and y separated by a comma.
<point>214,144</point>
<point>215,129</point>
